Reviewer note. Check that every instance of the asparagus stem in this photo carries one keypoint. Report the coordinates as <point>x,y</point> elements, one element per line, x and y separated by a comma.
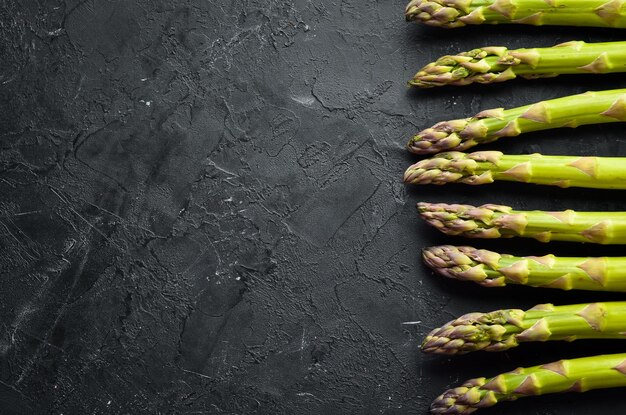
<point>487,126</point>
<point>491,269</point>
<point>458,13</point>
<point>488,166</point>
<point>504,329</point>
<point>496,221</point>
<point>575,375</point>
<point>497,64</point>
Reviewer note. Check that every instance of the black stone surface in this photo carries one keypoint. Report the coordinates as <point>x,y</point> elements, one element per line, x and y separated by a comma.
<point>201,209</point>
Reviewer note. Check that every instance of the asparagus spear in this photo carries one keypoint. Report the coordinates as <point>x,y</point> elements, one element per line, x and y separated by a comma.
<point>496,221</point>
<point>491,269</point>
<point>575,375</point>
<point>488,166</point>
<point>458,13</point>
<point>504,329</point>
<point>487,126</point>
<point>497,64</point>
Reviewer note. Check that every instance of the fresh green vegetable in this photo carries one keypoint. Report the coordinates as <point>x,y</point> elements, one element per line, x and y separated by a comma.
<point>458,13</point>
<point>575,375</point>
<point>504,329</point>
<point>498,64</point>
<point>487,126</point>
<point>496,221</point>
<point>487,166</point>
<point>491,269</point>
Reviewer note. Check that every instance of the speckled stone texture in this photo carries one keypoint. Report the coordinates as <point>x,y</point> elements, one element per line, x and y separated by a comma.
<point>201,208</point>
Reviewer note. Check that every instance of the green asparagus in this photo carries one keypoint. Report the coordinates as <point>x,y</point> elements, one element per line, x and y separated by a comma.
<point>504,329</point>
<point>575,375</point>
<point>487,126</point>
<point>498,64</point>
<point>496,221</point>
<point>487,166</point>
<point>458,13</point>
<point>491,269</point>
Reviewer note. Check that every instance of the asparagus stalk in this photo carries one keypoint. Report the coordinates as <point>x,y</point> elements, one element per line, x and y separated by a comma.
<point>487,166</point>
<point>487,126</point>
<point>504,329</point>
<point>496,221</point>
<point>575,375</point>
<point>458,13</point>
<point>491,269</point>
<point>498,64</point>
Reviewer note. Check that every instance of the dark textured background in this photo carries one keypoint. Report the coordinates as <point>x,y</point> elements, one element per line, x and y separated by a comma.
<point>201,208</point>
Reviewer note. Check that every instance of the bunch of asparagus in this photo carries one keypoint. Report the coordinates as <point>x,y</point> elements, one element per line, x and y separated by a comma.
<point>503,329</point>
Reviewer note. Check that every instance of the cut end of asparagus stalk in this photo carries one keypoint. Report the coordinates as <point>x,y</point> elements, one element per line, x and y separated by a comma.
<point>440,13</point>
<point>453,167</point>
<point>465,263</point>
<point>468,67</point>
<point>486,221</point>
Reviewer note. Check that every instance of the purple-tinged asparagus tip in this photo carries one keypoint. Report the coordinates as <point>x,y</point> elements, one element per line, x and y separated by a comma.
<point>464,399</point>
<point>455,135</point>
<point>441,13</point>
<point>486,221</point>
<point>464,263</point>
<point>454,167</point>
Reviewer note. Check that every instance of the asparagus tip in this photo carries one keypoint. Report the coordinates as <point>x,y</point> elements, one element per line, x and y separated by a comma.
<point>476,331</point>
<point>469,221</point>
<point>441,13</point>
<point>464,263</point>
<point>468,67</point>
<point>464,399</point>
<point>447,135</point>
<point>452,167</point>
